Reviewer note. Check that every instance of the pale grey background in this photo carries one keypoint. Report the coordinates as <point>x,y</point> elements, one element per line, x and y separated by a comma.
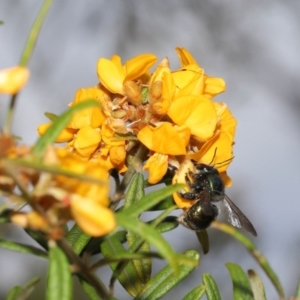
<point>253,45</point>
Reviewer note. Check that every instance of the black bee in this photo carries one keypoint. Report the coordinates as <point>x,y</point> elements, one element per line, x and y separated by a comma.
<point>207,187</point>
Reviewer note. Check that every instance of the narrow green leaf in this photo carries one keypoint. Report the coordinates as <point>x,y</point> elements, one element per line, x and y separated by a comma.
<point>168,224</point>
<point>59,285</point>
<point>166,279</point>
<point>211,288</point>
<point>298,291</point>
<point>135,190</point>
<point>58,125</point>
<point>23,248</point>
<point>241,286</point>
<point>89,290</point>
<point>80,243</point>
<point>204,240</point>
<point>258,256</point>
<point>51,116</point>
<point>73,234</point>
<point>166,203</point>
<point>195,293</point>
<point>134,194</point>
<point>14,293</point>
<point>150,200</point>
<point>128,278</point>
<point>149,234</point>
<point>257,285</point>
<point>20,293</point>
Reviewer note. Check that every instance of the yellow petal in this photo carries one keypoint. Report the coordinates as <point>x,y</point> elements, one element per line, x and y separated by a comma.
<point>139,65</point>
<point>216,152</point>
<point>196,113</point>
<point>163,139</point>
<point>87,140</point>
<point>110,76</point>
<point>227,122</point>
<point>86,117</point>
<point>13,79</point>
<point>92,217</point>
<point>185,57</point>
<point>157,165</point>
<point>117,154</point>
<point>180,177</point>
<point>214,86</point>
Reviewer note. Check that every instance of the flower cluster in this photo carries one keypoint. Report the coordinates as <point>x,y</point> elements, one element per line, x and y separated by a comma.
<point>170,112</point>
<point>57,189</point>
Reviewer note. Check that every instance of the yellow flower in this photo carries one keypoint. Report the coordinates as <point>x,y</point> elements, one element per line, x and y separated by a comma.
<point>113,75</point>
<point>13,79</point>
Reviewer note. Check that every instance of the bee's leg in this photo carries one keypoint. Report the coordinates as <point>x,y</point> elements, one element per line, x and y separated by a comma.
<point>188,196</point>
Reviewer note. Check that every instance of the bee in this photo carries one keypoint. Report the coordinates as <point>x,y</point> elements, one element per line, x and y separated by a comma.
<point>207,188</point>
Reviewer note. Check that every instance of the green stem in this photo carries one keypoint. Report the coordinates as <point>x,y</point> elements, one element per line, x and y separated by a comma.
<point>91,278</point>
<point>135,164</point>
<point>258,256</point>
<point>34,32</point>
<point>25,56</point>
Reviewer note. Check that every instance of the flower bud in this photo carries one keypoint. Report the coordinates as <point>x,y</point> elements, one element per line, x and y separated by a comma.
<point>133,92</point>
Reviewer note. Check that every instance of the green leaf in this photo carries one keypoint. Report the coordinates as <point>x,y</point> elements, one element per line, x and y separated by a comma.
<point>23,248</point>
<point>150,200</point>
<point>51,116</point>
<point>257,285</point>
<point>89,290</point>
<point>149,234</point>
<point>59,285</point>
<point>241,286</point>
<point>168,224</point>
<point>20,293</point>
<point>195,293</point>
<point>77,239</point>
<point>135,190</point>
<point>204,240</point>
<point>134,194</point>
<point>58,125</point>
<point>166,279</point>
<point>211,288</point>
<point>165,204</point>
<point>258,256</point>
<point>128,277</point>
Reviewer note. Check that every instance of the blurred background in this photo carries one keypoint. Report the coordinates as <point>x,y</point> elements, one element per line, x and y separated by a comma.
<point>253,45</point>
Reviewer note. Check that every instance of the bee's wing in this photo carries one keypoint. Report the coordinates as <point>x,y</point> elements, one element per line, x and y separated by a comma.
<point>237,218</point>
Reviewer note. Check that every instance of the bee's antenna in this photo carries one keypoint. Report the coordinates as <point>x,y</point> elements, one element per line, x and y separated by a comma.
<point>214,156</point>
